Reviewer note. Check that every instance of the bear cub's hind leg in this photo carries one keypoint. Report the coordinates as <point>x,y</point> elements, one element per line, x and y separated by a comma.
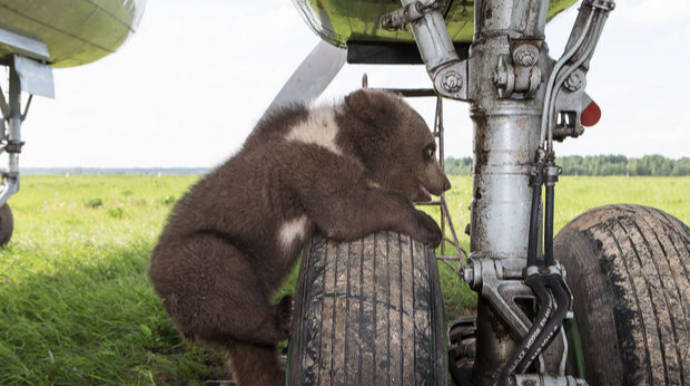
<point>255,365</point>
<point>284,312</point>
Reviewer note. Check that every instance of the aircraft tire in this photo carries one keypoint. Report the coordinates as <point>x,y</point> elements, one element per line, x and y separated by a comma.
<point>368,312</point>
<point>6,224</point>
<point>627,266</point>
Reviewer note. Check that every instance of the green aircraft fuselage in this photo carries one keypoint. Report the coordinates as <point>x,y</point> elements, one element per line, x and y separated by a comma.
<point>340,21</point>
<point>75,32</point>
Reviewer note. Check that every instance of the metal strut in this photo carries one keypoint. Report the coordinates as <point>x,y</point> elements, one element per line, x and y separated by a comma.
<point>35,78</point>
<point>10,135</point>
<point>515,123</point>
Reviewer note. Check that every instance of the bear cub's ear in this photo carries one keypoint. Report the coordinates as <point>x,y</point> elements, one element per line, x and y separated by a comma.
<point>373,106</point>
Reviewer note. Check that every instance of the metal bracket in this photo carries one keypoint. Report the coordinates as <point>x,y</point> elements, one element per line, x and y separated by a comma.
<point>521,78</point>
<point>451,80</point>
<point>35,78</point>
<point>429,29</point>
<point>499,282</point>
<point>566,85</point>
<point>398,19</point>
<point>28,56</point>
<point>569,107</point>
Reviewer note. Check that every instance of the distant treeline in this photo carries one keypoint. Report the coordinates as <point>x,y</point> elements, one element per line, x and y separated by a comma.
<point>599,165</point>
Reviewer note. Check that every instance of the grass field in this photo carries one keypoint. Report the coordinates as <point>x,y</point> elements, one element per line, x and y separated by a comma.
<point>76,305</point>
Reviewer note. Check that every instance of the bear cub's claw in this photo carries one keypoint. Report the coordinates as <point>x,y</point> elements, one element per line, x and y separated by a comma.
<point>285,311</point>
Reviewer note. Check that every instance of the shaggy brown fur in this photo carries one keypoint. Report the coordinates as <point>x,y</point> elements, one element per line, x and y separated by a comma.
<point>344,171</point>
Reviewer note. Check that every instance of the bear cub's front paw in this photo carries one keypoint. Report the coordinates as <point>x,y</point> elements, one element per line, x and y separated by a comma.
<point>431,232</point>
<point>285,311</point>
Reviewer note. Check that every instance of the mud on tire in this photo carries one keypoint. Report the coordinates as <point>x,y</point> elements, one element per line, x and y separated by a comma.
<point>628,268</point>
<point>368,312</point>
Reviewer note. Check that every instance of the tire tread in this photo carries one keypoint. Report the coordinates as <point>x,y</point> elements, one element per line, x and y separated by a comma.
<point>635,259</point>
<point>368,314</point>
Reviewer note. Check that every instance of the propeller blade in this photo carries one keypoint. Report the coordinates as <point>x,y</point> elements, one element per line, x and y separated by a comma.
<point>312,76</point>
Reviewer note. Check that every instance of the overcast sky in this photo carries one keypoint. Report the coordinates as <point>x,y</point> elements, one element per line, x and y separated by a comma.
<point>191,83</point>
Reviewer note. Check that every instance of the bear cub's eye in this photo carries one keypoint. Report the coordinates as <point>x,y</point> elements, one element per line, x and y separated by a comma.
<point>429,152</point>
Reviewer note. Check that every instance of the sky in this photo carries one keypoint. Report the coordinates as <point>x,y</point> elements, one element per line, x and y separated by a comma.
<point>188,87</point>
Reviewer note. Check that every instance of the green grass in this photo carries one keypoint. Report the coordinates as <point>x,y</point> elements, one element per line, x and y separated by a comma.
<point>76,306</point>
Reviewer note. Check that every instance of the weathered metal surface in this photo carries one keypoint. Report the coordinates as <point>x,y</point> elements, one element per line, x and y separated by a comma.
<point>504,297</point>
<point>435,44</point>
<point>504,144</point>
<point>76,31</point>
<point>451,80</point>
<point>565,87</point>
<point>506,135</point>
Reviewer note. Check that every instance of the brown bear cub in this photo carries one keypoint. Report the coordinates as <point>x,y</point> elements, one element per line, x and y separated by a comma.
<point>344,171</point>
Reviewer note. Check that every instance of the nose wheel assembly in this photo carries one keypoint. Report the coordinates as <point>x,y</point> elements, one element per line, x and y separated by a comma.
<point>27,73</point>
<point>522,101</point>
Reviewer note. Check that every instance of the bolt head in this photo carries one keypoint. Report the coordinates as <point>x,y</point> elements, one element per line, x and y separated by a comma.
<point>575,81</point>
<point>500,78</point>
<point>526,55</point>
<point>452,81</point>
<point>526,59</point>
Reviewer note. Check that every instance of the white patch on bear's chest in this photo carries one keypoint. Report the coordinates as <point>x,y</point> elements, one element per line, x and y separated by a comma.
<point>292,230</point>
<point>319,129</point>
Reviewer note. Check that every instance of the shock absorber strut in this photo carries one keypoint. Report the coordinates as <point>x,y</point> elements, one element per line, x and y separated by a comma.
<point>514,116</point>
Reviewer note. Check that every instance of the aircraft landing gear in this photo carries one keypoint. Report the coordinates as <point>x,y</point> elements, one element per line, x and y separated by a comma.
<point>10,142</point>
<point>35,78</point>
